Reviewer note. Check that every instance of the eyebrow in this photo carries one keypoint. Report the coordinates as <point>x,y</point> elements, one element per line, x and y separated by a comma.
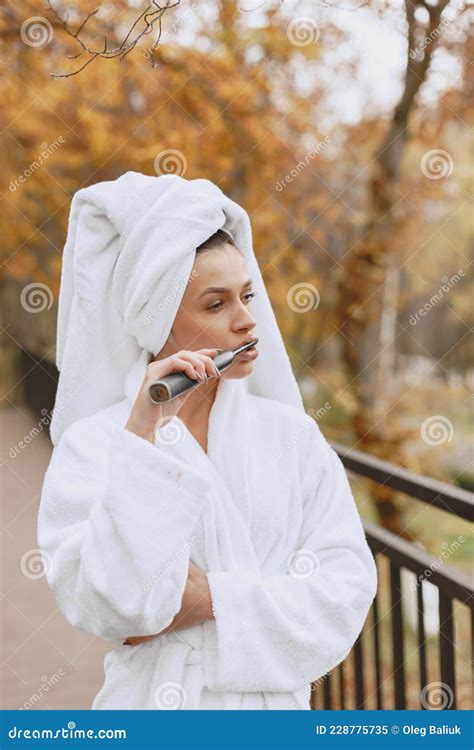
<point>222,289</point>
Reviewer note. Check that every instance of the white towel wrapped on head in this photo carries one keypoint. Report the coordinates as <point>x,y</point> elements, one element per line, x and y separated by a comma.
<point>128,256</point>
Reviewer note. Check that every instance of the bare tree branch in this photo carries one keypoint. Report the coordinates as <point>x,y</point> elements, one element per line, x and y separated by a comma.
<point>152,14</point>
<point>415,75</point>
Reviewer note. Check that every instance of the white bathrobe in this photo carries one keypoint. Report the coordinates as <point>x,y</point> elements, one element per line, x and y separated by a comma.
<point>267,513</point>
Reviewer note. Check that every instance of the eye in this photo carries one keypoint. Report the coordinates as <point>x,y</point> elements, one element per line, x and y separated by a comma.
<point>218,305</point>
<point>250,295</point>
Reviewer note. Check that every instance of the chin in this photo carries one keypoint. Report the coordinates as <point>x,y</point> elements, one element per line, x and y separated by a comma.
<point>240,370</point>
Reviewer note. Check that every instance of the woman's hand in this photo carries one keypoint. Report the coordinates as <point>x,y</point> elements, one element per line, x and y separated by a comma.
<point>196,606</point>
<point>145,413</point>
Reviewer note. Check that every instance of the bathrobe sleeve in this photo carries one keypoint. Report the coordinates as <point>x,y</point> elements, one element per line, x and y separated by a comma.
<point>115,527</point>
<point>281,632</point>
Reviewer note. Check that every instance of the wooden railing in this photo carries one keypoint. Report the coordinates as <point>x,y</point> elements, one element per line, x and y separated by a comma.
<point>364,663</point>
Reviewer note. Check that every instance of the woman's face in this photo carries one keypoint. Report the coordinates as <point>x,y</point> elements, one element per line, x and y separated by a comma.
<point>216,319</point>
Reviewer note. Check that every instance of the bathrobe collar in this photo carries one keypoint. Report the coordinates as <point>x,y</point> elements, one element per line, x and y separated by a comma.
<point>227,391</point>
<point>229,432</point>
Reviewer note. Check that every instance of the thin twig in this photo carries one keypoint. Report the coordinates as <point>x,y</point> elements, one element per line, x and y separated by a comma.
<point>153,13</point>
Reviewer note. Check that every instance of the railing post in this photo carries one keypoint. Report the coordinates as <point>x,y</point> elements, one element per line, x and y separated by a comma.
<point>397,637</point>
<point>421,640</point>
<point>377,657</point>
<point>359,674</point>
<point>446,647</point>
<point>327,692</point>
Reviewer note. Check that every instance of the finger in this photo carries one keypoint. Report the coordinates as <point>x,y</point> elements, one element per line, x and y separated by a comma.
<point>211,368</point>
<point>186,366</point>
<point>179,363</point>
<point>197,362</point>
<point>209,352</point>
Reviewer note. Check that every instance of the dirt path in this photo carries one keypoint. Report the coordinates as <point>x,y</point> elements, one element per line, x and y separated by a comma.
<point>45,662</point>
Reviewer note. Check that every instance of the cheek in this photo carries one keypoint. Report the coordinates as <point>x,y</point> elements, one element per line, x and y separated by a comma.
<point>189,330</point>
<point>203,330</point>
<point>214,324</point>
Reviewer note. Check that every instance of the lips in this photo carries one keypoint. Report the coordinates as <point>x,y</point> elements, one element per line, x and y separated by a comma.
<point>249,354</point>
<point>247,341</point>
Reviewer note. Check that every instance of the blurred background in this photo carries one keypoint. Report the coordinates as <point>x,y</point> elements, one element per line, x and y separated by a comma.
<point>345,130</point>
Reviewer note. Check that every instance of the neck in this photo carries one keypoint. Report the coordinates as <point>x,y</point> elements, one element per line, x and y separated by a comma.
<point>196,408</point>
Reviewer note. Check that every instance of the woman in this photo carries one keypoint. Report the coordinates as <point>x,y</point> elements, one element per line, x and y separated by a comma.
<point>214,540</point>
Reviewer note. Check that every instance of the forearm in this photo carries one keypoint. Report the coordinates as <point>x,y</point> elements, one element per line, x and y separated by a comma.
<point>196,608</point>
<point>182,619</point>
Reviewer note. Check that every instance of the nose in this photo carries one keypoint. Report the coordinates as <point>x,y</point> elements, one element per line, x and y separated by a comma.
<point>244,321</point>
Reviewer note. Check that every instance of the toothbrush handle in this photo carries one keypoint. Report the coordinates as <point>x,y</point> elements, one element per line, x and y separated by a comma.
<point>173,385</point>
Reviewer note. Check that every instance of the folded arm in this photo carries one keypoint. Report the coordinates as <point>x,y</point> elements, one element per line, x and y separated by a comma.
<point>115,526</point>
<point>195,606</point>
<point>281,632</point>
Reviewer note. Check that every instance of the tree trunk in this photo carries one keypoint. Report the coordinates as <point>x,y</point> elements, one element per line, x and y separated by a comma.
<point>369,288</point>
